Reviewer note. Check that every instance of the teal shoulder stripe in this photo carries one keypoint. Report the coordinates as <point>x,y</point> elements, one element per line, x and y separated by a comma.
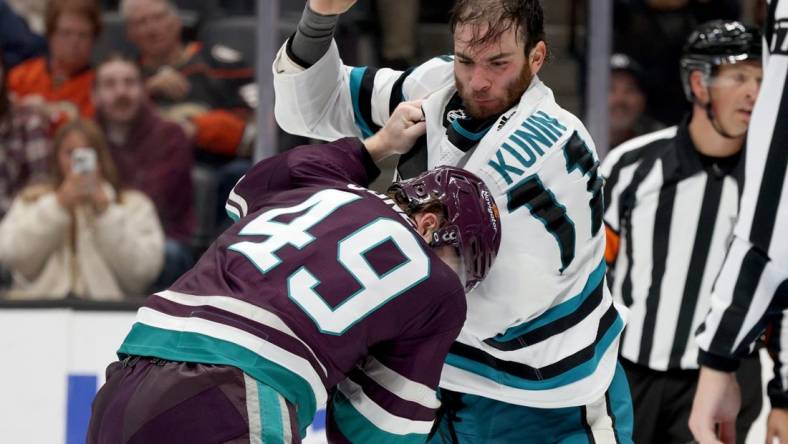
<point>559,311</point>
<point>356,74</point>
<point>577,373</point>
<point>144,340</point>
<point>356,428</point>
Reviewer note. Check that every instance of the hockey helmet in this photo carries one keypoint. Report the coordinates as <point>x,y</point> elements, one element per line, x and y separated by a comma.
<point>716,43</point>
<point>472,222</point>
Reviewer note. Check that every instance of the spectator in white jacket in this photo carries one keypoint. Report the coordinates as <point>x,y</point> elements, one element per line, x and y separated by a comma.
<point>83,235</point>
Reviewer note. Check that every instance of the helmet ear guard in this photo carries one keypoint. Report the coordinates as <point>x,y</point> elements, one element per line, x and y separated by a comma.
<point>446,235</point>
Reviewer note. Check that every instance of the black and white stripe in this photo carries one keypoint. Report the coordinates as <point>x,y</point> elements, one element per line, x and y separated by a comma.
<point>752,290</point>
<point>777,342</point>
<point>674,216</point>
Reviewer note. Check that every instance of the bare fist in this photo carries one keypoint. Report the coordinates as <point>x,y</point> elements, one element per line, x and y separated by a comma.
<point>400,133</point>
<point>331,7</point>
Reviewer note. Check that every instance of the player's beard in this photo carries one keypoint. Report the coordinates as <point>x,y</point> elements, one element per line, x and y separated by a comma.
<point>512,94</point>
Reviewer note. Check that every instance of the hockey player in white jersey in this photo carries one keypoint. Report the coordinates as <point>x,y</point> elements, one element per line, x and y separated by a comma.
<point>537,358</point>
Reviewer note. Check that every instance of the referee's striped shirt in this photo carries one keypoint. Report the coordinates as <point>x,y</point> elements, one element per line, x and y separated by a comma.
<point>752,290</point>
<point>669,217</point>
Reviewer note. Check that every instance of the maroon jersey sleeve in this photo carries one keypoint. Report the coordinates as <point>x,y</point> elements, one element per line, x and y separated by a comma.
<point>340,162</point>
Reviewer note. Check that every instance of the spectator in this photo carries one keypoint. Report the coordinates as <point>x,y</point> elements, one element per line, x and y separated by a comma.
<point>152,155</point>
<point>626,101</point>
<point>61,81</point>
<point>24,146</point>
<point>18,42</point>
<point>199,86</point>
<point>83,235</point>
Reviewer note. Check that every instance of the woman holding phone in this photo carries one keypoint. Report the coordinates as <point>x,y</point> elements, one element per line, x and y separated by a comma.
<point>83,235</point>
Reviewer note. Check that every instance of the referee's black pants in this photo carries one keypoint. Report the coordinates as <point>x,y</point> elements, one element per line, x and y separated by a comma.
<point>663,400</point>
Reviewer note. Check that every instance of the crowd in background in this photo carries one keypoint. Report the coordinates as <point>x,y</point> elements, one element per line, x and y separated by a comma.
<point>98,153</point>
<point>166,107</point>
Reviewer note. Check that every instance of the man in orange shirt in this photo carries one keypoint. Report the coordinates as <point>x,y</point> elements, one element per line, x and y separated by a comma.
<point>60,83</point>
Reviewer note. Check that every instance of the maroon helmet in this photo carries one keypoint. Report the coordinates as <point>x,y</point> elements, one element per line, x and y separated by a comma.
<point>472,224</point>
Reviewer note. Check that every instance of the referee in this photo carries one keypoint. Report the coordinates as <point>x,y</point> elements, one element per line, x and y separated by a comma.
<point>752,289</point>
<point>672,200</point>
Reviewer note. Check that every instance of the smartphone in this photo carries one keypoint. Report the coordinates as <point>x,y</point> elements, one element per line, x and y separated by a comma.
<point>83,160</point>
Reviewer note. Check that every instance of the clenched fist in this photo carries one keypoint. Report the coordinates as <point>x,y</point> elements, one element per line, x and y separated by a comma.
<point>331,7</point>
<point>400,133</point>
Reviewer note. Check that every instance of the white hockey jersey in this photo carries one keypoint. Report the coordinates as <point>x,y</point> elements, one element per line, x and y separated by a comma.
<point>542,329</point>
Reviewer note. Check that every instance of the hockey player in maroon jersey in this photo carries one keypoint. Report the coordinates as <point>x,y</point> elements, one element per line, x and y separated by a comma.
<point>323,292</point>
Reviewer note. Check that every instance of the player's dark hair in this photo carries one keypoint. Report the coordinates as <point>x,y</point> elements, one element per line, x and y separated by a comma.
<point>434,206</point>
<point>492,18</point>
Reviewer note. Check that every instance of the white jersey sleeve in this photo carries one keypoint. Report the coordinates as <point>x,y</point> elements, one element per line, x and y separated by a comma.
<point>330,100</point>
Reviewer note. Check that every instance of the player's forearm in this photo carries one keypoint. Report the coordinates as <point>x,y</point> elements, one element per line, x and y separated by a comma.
<point>312,37</point>
<point>377,148</point>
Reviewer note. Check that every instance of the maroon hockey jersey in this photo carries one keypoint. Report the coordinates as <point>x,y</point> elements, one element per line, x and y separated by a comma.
<point>323,290</point>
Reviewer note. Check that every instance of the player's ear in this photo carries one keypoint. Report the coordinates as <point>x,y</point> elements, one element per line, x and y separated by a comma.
<point>426,223</point>
<point>699,87</point>
<point>536,57</point>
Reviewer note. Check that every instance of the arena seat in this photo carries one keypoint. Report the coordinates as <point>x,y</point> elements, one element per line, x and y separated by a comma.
<point>112,38</point>
<point>237,32</point>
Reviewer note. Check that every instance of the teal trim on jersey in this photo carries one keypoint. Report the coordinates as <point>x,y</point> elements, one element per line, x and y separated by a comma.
<point>144,340</point>
<point>233,216</point>
<point>357,428</point>
<point>386,273</point>
<point>307,210</point>
<point>270,415</point>
<point>467,134</point>
<point>581,371</point>
<point>620,406</point>
<point>483,420</point>
<point>565,262</point>
<point>559,311</point>
<point>356,74</point>
<point>363,286</point>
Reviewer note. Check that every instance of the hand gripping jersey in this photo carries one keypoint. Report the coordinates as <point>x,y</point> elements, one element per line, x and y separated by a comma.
<point>322,290</point>
<point>542,329</point>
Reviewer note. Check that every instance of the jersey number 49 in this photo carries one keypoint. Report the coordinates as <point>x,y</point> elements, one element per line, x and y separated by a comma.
<point>376,289</point>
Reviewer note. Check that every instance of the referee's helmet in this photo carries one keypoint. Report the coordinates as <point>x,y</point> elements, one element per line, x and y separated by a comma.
<point>716,43</point>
